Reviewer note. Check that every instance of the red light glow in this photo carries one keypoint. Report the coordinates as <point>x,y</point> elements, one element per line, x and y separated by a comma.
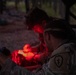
<point>38,28</point>
<point>27,48</point>
<point>28,57</point>
<point>18,56</point>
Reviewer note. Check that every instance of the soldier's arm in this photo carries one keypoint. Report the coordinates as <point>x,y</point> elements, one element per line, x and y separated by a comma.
<point>58,65</point>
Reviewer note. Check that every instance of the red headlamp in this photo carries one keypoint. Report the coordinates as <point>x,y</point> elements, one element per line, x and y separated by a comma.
<point>38,28</point>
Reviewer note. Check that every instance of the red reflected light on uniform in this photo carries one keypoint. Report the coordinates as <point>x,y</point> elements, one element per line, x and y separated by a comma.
<point>38,28</point>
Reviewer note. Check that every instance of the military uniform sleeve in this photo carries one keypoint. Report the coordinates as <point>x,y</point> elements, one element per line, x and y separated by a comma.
<point>10,68</point>
<point>59,64</point>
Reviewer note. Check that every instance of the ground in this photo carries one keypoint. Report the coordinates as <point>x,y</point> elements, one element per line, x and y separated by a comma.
<point>15,35</point>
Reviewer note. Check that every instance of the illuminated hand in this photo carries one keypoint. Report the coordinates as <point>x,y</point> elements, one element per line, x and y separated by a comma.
<point>22,53</point>
<point>27,48</point>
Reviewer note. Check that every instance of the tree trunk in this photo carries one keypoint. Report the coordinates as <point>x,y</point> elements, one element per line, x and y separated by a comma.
<point>2,6</point>
<point>27,5</point>
<point>61,9</point>
<point>16,4</point>
<point>39,3</point>
<point>54,4</point>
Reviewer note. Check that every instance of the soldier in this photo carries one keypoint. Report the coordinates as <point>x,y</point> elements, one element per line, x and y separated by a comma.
<point>60,38</point>
<point>36,20</point>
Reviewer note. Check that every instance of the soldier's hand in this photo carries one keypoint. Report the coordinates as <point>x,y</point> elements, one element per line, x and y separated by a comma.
<point>3,58</point>
<point>4,54</point>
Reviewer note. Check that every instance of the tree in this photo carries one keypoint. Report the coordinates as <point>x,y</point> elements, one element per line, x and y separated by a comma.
<point>16,4</point>
<point>2,6</point>
<point>27,5</point>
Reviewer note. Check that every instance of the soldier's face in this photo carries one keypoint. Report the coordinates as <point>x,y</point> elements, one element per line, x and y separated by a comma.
<point>48,42</point>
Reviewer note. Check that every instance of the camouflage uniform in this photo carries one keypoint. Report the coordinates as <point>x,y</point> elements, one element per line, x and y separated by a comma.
<point>61,62</point>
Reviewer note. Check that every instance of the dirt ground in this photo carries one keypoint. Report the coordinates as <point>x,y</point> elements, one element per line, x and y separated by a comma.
<point>15,35</point>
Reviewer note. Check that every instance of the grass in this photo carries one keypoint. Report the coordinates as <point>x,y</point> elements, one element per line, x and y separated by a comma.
<point>21,5</point>
<point>49,10</point>
<point>10,3</point>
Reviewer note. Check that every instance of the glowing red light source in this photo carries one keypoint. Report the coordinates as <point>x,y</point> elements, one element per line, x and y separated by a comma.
<point>28,56</point>
<point>38,28</point>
